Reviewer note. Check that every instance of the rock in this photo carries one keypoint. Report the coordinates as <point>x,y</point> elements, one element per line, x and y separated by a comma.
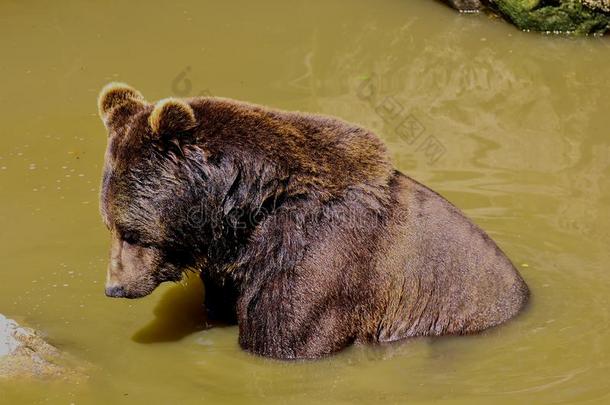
<point>466,6</point>
<point>24,353</point>
<point>603,5</point>
<point>580,17</point>
<point>562,16</point>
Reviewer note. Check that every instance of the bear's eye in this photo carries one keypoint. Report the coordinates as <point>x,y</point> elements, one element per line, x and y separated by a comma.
<point>130,237</point>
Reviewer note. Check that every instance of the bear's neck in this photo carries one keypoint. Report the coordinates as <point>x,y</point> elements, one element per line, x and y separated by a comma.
<point>278,240</point>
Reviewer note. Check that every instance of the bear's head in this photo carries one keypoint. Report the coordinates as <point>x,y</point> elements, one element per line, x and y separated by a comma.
<point>133,205</point>
<point>151,190</point>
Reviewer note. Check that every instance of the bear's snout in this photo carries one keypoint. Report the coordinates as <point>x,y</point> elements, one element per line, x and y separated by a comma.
<point>115,291</point>
<point>132,271</point>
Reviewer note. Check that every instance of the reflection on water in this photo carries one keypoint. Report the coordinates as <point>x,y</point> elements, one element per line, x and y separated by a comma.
<point>179,313</point>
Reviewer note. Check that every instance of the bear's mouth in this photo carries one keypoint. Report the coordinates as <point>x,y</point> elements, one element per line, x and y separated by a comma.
<point>169,272</point>
<point>121,292</point>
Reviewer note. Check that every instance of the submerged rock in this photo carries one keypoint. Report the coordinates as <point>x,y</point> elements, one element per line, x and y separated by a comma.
<point>24,353</point>
<point>582,17</point>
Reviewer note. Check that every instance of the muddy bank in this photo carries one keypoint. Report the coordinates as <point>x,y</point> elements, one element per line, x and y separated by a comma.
<point>579,17</point>
<point>25,354</point>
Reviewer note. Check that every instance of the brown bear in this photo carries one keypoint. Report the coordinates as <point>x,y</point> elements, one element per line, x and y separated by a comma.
<point>303,232</point>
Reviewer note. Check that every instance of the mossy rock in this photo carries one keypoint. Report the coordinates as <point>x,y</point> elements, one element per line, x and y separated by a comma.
<point>580,17</point>
<point>559,16</point>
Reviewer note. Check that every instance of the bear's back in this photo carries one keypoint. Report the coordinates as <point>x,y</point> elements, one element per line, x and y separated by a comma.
<point>325,152</point>
<point>454,278</point>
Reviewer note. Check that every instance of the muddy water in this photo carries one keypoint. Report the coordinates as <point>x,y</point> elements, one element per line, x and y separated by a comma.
<point>511,127</point>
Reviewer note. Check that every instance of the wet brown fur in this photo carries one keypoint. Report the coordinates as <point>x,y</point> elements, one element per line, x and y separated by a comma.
<point>303,232</point>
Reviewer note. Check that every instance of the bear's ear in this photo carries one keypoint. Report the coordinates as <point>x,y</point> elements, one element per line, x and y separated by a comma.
<point>115,95</point>
<point>171,116</point>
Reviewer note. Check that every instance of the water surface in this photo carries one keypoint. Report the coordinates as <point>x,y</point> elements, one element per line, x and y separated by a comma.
<point>511,127</point>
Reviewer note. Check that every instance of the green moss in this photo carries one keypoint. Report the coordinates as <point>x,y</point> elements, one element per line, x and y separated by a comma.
<point>554,16</point>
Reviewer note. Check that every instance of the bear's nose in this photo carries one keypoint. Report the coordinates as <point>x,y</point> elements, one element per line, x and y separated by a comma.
<point>115,291</point>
